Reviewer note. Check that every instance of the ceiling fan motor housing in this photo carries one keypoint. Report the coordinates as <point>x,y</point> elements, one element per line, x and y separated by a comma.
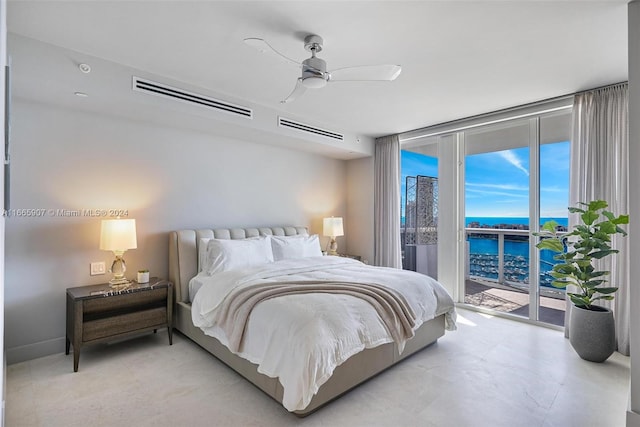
<point>314,73</point>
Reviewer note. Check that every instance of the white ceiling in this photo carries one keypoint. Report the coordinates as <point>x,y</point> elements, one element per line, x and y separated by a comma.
<point>459,58</point>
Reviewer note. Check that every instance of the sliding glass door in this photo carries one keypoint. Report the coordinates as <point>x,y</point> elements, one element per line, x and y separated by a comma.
<point>497,194</point>
<point>516,176</point>
<point>554,200</point>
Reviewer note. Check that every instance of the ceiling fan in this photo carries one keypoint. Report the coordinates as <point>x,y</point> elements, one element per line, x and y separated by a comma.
<point>314,70</point>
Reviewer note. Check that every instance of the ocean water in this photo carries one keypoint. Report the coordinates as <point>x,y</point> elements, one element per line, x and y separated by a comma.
<point>483,252</point>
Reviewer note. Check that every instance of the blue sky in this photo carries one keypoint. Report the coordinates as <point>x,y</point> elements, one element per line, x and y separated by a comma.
<point>497,183</point>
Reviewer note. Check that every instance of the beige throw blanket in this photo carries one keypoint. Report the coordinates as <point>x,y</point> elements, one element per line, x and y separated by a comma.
<point>395,313</point>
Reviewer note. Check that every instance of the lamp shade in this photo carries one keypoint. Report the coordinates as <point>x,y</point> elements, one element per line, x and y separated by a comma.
<point>118,235</point>
<point>332,227</point>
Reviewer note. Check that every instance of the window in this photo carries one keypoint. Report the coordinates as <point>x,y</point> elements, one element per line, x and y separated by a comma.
<point>510,175</point>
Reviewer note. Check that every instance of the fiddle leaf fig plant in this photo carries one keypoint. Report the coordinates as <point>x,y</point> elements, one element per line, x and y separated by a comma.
<point>588,241</point>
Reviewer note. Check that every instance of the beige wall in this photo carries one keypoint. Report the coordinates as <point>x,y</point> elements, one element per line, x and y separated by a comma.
<point>166,178</point>
<point>359,221</point>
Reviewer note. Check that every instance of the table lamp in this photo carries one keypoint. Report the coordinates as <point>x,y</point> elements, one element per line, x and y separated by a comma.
<point>118,235</point>
<point>332,227</point>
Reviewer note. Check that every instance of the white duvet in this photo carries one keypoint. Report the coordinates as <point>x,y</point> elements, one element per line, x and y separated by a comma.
<point>301,339</point>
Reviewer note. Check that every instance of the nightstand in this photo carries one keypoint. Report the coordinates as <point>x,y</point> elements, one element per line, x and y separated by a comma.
<point>97,313</point>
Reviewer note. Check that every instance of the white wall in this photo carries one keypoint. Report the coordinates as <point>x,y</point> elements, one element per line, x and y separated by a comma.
<point>165,177</point>
<point>633,416</point>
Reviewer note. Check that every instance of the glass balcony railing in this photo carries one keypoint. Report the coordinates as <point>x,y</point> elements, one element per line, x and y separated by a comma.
<point>501,256</point>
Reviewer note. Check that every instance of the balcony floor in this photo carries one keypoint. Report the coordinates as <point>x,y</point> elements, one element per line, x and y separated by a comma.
<point>513,301</point>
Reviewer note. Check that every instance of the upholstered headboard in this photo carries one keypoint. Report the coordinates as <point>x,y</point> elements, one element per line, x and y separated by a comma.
<point>183,250</point>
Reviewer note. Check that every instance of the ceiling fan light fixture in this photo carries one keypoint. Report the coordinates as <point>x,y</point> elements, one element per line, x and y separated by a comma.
<point>314,82</point>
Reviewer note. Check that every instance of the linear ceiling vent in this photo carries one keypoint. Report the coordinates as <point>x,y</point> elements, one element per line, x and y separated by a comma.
<point>286,123</point>
<point>160,89</point>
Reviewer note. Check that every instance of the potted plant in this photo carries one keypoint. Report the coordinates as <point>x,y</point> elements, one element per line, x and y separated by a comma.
<point>591,327</point>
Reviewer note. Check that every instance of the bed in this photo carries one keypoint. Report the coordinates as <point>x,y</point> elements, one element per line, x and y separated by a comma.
<point>185,259</point>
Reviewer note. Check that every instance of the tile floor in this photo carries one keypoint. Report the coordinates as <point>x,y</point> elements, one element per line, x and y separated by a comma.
<point>491,372</point>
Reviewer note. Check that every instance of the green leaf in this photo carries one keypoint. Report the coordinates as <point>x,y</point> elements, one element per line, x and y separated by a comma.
<point>593,283</point>
<point>599,273</point>
<point>579,301</point>
<point>581,229</point>
<point>560,256</point>
<point>550,226</point>
<point>605,297</point>
<point>621,231</point>
<point>622,219</point>
<point>576,210</point>
<point>558,284</point>
<point>564,269</point>
<point>597,205</point>
<point>606,290</point>
<point>602,254</point>
<point>607,227</point>
<point>589,217</point>
<point>551,244</point>
<point>583,263</point>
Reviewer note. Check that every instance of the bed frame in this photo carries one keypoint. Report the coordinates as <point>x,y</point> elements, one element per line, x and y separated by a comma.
<point>183,265</point>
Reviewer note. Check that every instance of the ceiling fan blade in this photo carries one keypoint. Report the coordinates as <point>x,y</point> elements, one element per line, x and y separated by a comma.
<point>297,91</point>
<point>265,47</point>
<point>366,73</point>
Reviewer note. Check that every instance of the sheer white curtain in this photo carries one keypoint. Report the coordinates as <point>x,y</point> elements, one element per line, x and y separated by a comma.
<point>600,170</point>
<point>387,250</point>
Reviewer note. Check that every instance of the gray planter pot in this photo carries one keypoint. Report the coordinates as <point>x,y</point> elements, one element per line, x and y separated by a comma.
<point>592,333</point>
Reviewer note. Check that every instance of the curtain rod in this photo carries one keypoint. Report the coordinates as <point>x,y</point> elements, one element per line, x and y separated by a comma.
<point>601,87</point>
<point>502,111</point>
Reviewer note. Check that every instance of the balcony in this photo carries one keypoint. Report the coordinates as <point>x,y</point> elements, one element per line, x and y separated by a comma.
<point>498,279</point>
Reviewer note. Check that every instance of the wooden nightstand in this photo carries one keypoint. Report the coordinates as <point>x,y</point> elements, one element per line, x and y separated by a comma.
<point>97,313</point>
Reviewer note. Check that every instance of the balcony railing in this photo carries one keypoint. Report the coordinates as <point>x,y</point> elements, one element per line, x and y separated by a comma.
<point>509,269</point>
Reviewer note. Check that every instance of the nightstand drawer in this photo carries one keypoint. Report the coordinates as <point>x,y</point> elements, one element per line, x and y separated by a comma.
<point>125,301</point>
<point>102,328</point>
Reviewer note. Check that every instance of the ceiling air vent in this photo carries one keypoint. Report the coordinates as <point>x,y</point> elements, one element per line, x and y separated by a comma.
<point>165,91</point>
<point>286,123</point>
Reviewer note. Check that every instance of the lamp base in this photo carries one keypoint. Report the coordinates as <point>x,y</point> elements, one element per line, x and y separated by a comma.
<point>118,268</point>
<point>119,284</point>
<point>333,247</point>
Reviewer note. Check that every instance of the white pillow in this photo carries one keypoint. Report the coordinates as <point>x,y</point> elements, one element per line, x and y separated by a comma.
<point>202,253</point>
<point>299,246</point>
<point>225,254</point>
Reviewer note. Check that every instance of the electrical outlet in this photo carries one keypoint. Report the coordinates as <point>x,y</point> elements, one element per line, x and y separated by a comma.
<point>98,268</point>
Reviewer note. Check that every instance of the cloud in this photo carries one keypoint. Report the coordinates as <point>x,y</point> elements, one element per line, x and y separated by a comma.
<point>495,193</point>
<point>511,157</point>
<point>555,189</point>
<point>499,186</point>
